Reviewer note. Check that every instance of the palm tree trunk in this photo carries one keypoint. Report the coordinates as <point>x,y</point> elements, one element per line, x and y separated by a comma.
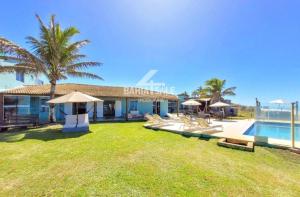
<point>215,98</point>
<point>52,95</point>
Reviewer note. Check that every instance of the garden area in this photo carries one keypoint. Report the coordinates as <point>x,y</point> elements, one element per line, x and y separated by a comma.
<point>127,159</point>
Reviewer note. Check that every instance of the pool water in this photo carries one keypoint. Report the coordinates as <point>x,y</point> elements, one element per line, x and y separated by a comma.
<point>281,131</point>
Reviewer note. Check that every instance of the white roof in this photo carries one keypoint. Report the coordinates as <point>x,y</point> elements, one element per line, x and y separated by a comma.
<point>74,97</point>
<point>219,104</point>
<point>191,102</point>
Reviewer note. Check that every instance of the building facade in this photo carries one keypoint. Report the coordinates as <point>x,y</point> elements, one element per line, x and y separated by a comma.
<point>117,102</point>
<point>17,79</point>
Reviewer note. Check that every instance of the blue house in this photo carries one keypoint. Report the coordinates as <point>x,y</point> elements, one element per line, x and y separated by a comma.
<point>17,79</point>
<point>118,102</point>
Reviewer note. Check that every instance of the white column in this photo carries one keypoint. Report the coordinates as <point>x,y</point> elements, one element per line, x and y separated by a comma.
<point>118,108</point>
<point>100,109</point>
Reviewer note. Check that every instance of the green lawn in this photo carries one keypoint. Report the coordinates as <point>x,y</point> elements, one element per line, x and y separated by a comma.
<point>127,159</point>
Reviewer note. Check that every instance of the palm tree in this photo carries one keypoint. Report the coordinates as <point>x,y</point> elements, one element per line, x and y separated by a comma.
<point>52,54</point>
<point>215,88</point>
<point>199,92</point>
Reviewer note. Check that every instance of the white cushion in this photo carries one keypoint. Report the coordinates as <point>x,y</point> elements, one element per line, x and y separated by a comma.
<point>71,121</point>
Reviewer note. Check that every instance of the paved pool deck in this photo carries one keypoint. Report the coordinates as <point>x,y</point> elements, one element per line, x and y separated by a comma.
<point>232,129</point>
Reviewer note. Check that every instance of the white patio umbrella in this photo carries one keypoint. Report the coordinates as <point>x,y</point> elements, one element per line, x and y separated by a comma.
<point>191,102</point>
<point>219,104</point>
<point>74,97</point>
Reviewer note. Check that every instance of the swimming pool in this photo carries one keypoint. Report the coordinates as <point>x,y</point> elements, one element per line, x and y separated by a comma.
<point>281,131</point>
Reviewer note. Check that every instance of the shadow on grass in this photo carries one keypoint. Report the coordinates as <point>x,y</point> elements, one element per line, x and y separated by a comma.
<point>43,134</point>
<point>205,137</point>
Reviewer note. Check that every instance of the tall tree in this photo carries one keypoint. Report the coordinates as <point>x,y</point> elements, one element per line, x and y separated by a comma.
<point>215,88</point>
<point>199,92</point>
<point>52,54</point>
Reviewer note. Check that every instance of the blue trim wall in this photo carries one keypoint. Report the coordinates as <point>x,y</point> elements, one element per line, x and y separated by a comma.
<point>145,107</point>
<point>163,108</point>
<point>35,105</point>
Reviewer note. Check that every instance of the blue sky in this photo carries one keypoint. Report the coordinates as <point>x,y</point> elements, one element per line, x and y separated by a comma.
<point>253,44</point>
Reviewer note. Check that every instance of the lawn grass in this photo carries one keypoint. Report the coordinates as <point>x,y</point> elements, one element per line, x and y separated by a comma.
<point>129,160</point>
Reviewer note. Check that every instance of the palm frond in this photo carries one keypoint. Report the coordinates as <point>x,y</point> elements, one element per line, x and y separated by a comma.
<point>67,34</point>
<point>83,65</point>
<point>229,91</point>
<point>84,75</point>
<point>77,45</point>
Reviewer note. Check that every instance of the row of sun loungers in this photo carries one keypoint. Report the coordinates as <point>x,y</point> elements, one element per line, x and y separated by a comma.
<point>181,124</point>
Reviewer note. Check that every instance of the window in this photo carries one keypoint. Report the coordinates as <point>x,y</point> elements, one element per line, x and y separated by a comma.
<point>10,100</point>
<point>172,106</point>
<point>156,107</point>
<point>133,106</point>
<point>20,76</point>
<point>14,105</point>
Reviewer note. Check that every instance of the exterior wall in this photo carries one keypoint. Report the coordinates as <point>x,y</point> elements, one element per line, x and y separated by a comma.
<point>35,105</point>
<point>123,105</point>
<point>59,108</point>
<point>163,108</point>
<point>8,80</point>
<point>142,107</point>
<point>118,108</point>
<point>145,107</point>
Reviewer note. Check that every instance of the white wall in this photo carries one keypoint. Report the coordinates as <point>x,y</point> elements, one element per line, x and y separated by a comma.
<point>118,108</point>
<point>100,109</point>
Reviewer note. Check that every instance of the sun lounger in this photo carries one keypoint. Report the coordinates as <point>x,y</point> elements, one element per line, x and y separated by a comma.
<point>199,126</point>
<point>172,116</point>
<point>156,121</point>
<point>71,124</point>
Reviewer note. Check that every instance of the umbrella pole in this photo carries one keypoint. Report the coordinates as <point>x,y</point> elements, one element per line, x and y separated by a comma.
<point>77,114</point>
